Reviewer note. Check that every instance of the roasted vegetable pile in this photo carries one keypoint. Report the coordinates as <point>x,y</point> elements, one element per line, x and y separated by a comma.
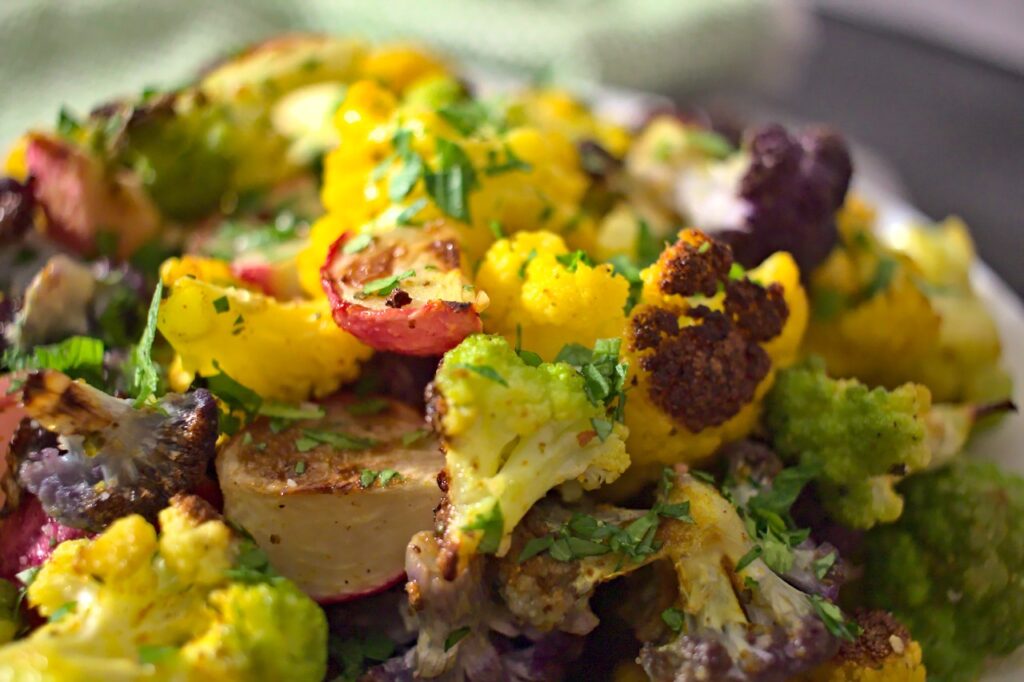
<point>324,367</point>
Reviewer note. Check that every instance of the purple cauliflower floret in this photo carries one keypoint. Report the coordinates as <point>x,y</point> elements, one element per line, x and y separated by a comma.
<point>111,459</point>
<point>466,633</point>
<point>793,187</point>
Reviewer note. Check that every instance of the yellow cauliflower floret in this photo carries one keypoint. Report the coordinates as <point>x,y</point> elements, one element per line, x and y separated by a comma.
<point>703,346</point>
<point>399,66</point>
<point>15,165</point>
<point>523,178</point>
<point>892,315</point>
<point>552,302</point>
<point>554,109</point>
<point>282,350</point>
<point>129,606</point>
<point>209,270</point>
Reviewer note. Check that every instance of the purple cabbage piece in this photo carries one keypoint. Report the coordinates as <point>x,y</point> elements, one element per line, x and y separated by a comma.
<point>793,188</point>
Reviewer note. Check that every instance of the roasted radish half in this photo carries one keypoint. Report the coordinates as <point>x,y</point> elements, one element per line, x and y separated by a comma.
<point>403,291</point>
<point>333,500</point>
<point>81,198</point>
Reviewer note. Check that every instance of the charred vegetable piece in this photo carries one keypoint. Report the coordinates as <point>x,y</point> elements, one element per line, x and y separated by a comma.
<point>81,199</point>
<point>512,432</point>
<point>883,652</point>
<point>465,633</point>
<point>735,618</point>
<point>112,459</point>
<point>704,345</point>
<point>404,291</point>
<point>351,473</point>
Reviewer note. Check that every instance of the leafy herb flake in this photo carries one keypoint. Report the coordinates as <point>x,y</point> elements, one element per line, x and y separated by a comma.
<point>385,285</point>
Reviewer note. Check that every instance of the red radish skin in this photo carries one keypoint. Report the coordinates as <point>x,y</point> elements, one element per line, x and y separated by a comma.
<point>80,198</point>
<point>11,415</point>
<point>353,596</point>
<point>433,328</point>
<point>28,537</point>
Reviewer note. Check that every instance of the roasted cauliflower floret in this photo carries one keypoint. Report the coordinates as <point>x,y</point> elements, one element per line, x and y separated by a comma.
<point>113,459</point>
<point>860,442</point>
<point>883,652</point>
<point>703,347</point>
<point>282,350</point>
<point>194,603</point>
<point>779,192</point>
<point>543,297</point>
<point>950,568</point>
<point>511,433</point>
<point>734,617</point>
<point>892,315</point>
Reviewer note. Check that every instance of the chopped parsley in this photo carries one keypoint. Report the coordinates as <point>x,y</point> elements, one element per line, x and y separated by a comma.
<point>62,611</point>
<point>465,116</point>
<point>674,618</point>
<point>492,524</point>
<point>604,377</point>
<point>336,439</point>
<point>823,565</point>
<point>409,212</point>
<point>357,243</point>
<point>455,636</point>
<point>449,186</point>
<point>603,428</point>
<point>145,377</point>
<point>368,406</point>
<point>526,263</point>
<point>510,163</point>
<point>833,618</point>
<point>300,467</point>
<point>768,520</point>
<point>585,535</point>
<point>709,143</point>
<point>80,357</point>
<point>414,436</point>
<point>571,261</point>
<point>367,477</point>
<point>155,654</point>
<point>528,357</point>
<point>385,285</point>
<point>235,396</point>
<point>354,654</point>
<point>222,304</point>
<point>496,229</point>
<point>291,412</point>
<point>485,371</point>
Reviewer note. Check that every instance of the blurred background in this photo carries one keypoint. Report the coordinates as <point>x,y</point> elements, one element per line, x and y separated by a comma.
<point>930,91</point>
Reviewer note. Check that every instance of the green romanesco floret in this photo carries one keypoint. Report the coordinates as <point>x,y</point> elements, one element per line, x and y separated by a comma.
<point>951,568</point>
<point>861,440</point>
<point>194,603</point>
<point>514,429</point>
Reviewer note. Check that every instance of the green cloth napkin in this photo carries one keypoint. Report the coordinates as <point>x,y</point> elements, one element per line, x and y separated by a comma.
<point>81,52</point>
